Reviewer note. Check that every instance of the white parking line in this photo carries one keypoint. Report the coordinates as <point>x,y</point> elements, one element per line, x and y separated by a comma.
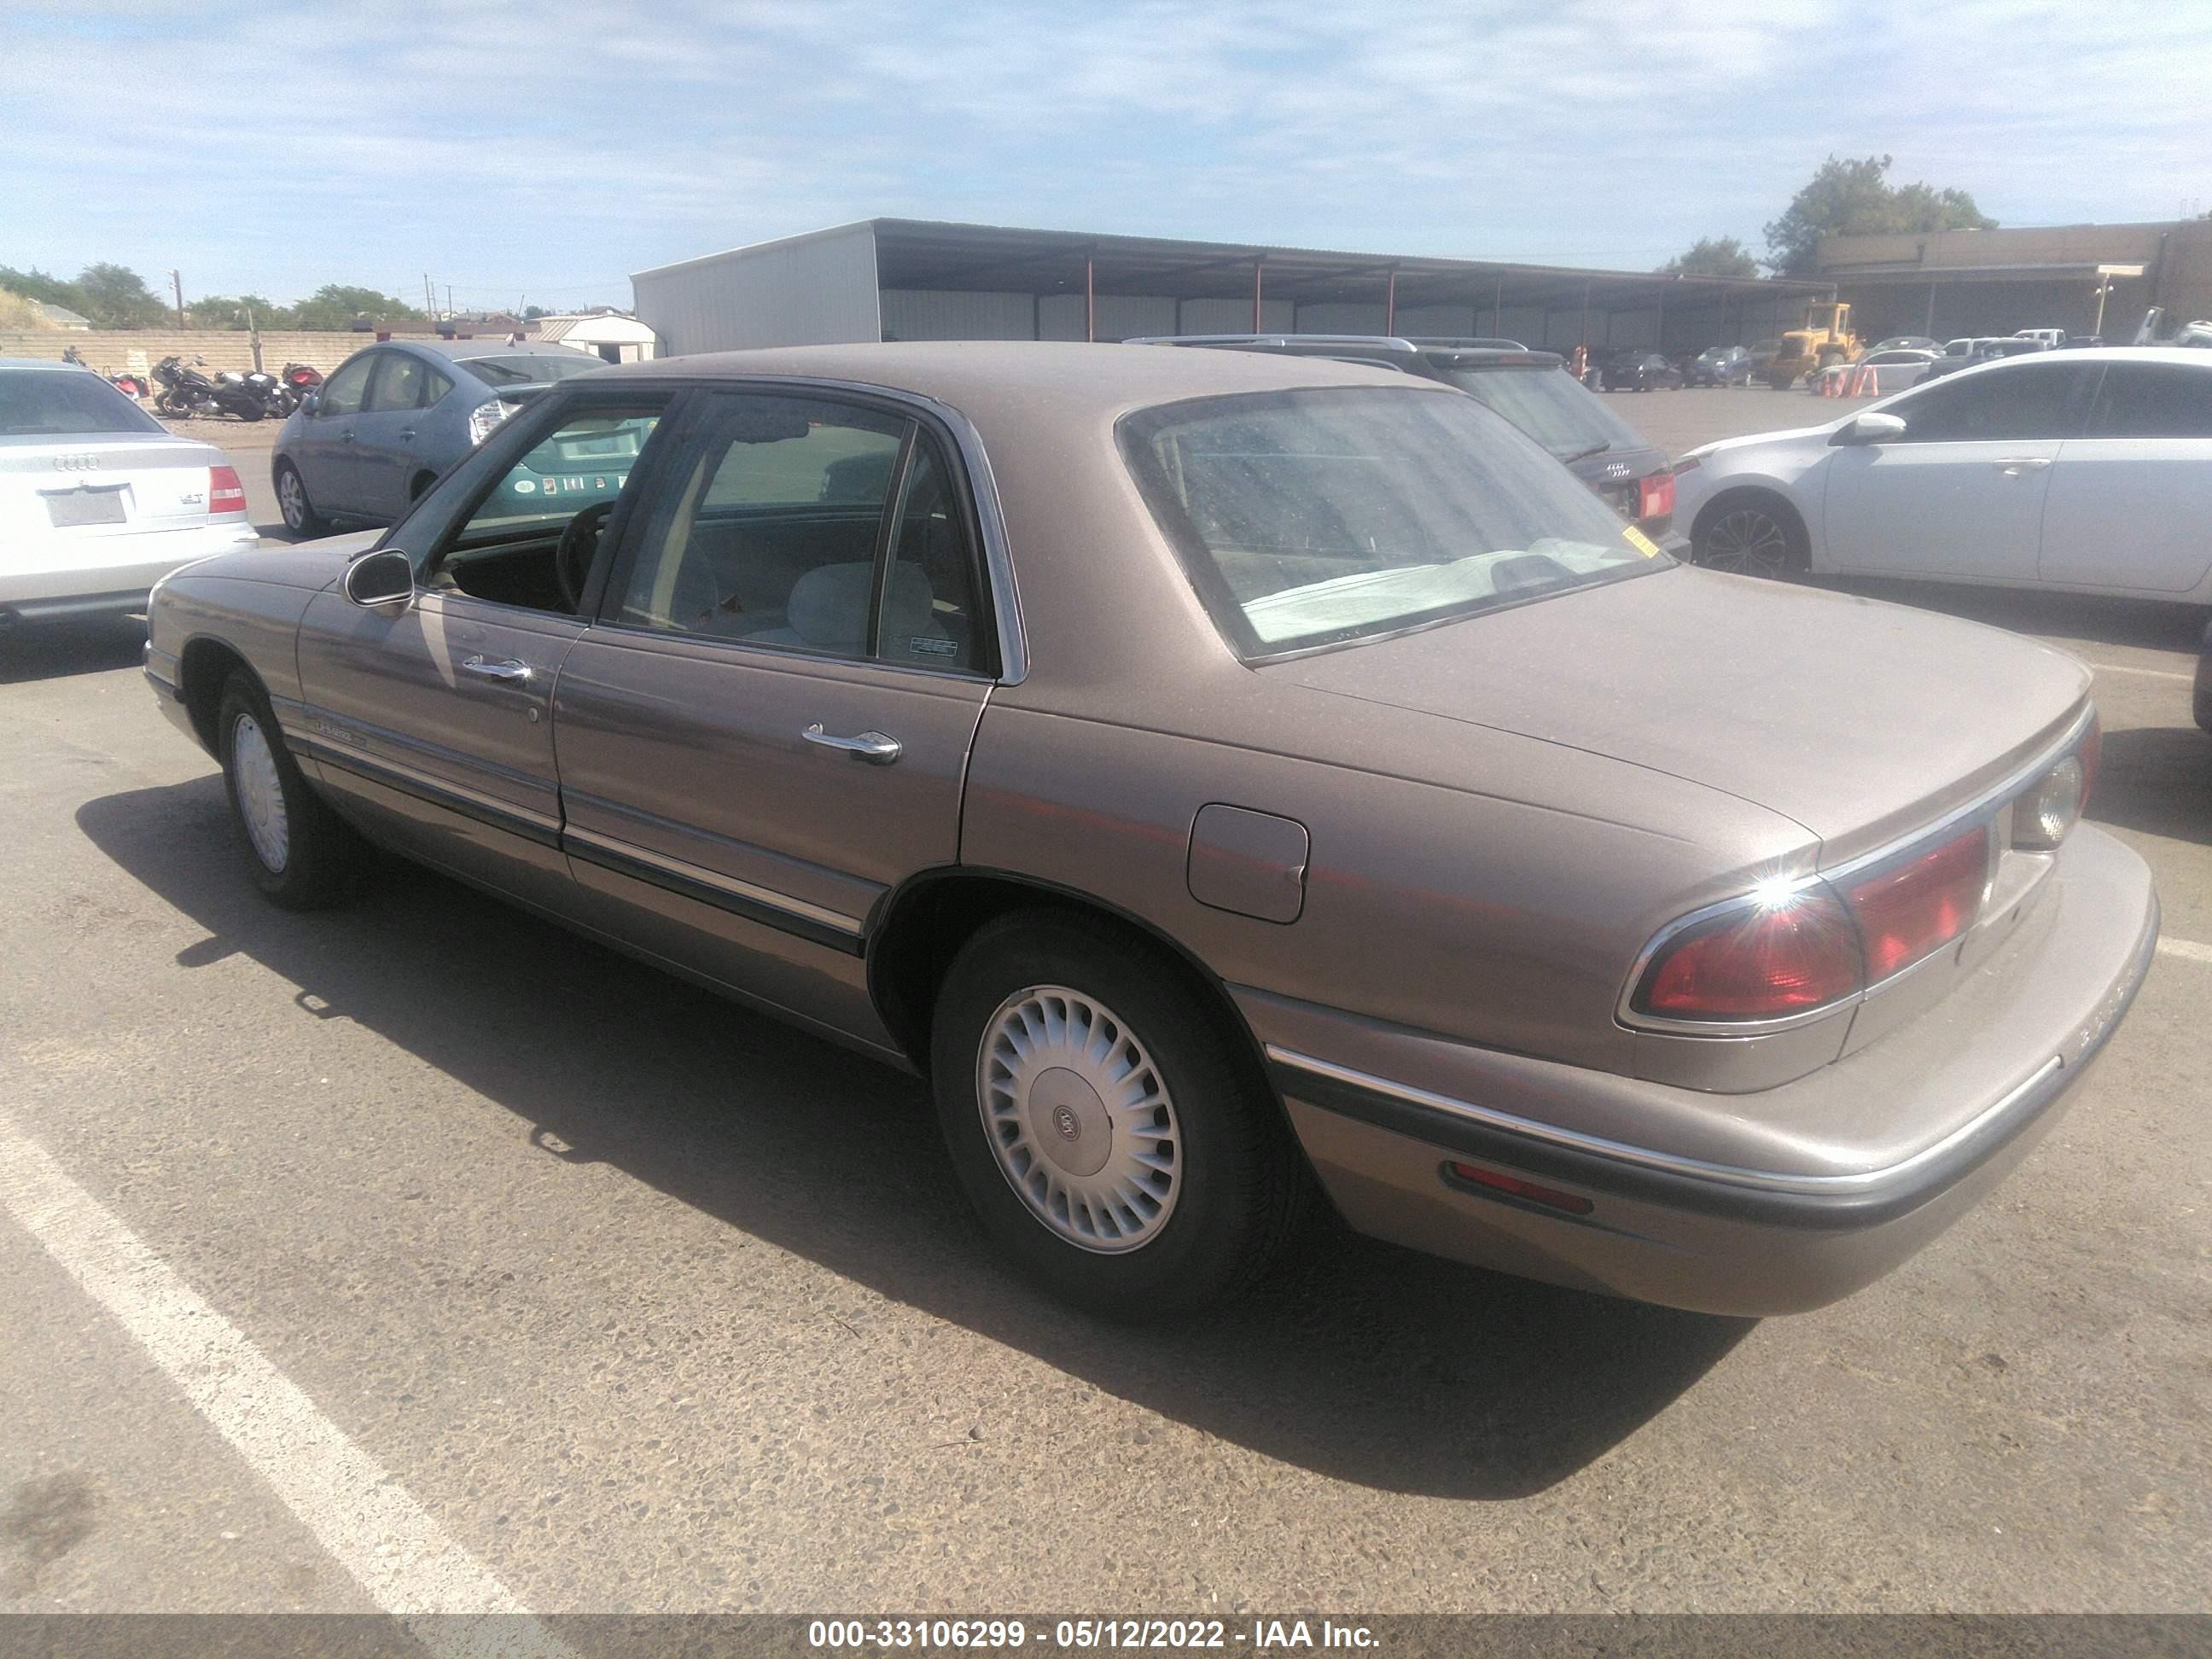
<point>391,1545</point>
<point>2187,949</point>
<point>2147,673</point>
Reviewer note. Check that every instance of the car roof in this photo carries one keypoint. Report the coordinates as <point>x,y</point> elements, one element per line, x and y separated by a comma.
<point>1469,352</point>
<point>460,351</point>
<point>2183,356</point>
<point>1012,378</point>
<point>41,362</point>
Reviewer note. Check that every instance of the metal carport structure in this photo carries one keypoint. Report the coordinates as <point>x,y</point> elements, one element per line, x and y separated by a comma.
<point>921,279</point>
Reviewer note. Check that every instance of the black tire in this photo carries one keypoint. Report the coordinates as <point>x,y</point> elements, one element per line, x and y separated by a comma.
<point>297,507</point>
<point>1240,1186</point>
<point>323,860</point>
<point>1749,532</point>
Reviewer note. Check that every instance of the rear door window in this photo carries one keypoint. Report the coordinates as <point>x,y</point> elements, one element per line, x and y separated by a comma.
<point>2152,400</point>
<point>400,382</point>
<point>811,525</point>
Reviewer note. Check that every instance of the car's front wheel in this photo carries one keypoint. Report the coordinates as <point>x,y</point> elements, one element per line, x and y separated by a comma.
<point>300,516</point>
<point>1749,535</point>
<point>301,853</point>
<point>1118,1141</point>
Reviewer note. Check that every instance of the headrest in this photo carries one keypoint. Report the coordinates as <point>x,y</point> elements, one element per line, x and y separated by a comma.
<point>828,607</point>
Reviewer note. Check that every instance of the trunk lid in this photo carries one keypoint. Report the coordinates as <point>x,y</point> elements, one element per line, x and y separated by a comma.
<point>85,488</point>
<point>1860,720</point>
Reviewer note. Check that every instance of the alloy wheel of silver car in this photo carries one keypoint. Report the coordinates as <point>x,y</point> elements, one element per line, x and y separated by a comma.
<point>1748,541</point>
<point>260,793</point>
<point>292,499</point>
<point>1078,1119</point>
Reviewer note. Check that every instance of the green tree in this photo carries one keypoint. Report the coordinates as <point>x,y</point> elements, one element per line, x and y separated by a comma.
<point>1712,256</point>
<point>41,285</point>
<point>222,311</point>
<point>531,314</point>
<point>335,305</point>
<point>1854,197</point>
<point>116,296</point>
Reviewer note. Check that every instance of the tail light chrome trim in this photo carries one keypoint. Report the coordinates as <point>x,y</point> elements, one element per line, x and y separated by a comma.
<point>1992,809</point>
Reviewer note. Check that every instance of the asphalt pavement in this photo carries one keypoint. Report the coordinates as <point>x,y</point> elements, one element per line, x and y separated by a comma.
<point>424,1249</point>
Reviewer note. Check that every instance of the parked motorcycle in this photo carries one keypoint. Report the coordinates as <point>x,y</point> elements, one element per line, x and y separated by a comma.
<point>188,393</point>
<point>130,385</point>
<point>295,383</point>
<point>251,396</point>
<point>185,393</point>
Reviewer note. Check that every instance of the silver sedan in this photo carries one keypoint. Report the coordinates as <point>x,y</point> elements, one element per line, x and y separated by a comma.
<point>98,500</point>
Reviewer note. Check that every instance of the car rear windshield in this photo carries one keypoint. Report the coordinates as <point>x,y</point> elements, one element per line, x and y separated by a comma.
<point>1319,517</point>
<point>1551,407</point>
<point>47,403</point>
<point>520,371</point>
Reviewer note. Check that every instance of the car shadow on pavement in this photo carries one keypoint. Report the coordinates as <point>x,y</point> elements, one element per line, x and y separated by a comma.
<point>2157,779</point>
<point>1358,1360</point>
<point>51,650</point>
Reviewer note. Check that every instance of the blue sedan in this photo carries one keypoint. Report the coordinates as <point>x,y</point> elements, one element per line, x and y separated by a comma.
<point>393,416</point>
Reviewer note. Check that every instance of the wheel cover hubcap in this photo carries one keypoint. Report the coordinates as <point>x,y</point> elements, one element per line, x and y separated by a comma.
<point>260,793</point>
<point>1748,541</point>
<point>1079,1119</point>
<point>292,499</point>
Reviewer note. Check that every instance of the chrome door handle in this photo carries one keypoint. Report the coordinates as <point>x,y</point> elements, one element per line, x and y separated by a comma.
<point>507,673</point>
<point>873,747</point>
<point>408,434</point>
<point>2018,464</point>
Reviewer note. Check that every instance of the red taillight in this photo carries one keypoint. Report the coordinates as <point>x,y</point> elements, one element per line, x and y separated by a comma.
<point>1768,960</point>
<point>1498,1181</point>
<point>225,493</point>
<point>1913,909</point>
<point>1655,496</point>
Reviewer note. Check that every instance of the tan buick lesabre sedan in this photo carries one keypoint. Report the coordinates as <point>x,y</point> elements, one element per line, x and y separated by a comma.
<point>1219,772</point>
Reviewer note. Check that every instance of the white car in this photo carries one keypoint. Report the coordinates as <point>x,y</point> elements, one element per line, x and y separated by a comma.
<point>98,500</point>
<point>2087,470</point>
<point>1899,366</point>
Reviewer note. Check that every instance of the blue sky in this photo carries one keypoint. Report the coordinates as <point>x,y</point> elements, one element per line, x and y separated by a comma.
<point>547,151</point>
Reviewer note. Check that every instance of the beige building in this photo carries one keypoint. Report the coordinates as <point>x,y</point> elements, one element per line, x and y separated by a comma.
<point>609,334</point>
<point>2086,279</point>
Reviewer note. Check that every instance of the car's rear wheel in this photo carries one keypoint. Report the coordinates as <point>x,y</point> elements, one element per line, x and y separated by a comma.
<point>1118,1142</point>
<point>299,854</point>
<point>1749,535</point>
<point>300,516</point>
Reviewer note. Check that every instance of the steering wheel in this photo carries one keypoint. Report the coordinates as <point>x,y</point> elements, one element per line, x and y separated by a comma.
<point>580,542</point>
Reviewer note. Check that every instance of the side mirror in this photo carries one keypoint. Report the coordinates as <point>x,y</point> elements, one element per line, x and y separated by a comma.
<point>381,581</point>
<point>1870,427</point>
<point>312,402</point>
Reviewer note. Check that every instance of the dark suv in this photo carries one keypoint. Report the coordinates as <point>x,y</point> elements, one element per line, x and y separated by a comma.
<point>1529,388</point>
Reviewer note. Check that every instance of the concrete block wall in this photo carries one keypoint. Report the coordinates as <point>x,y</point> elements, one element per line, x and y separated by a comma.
<point>113,351</point>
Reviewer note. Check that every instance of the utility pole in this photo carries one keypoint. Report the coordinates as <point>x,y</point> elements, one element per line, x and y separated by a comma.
<point>449,298</point>
<point>178,283</point>
<point>429,299</point>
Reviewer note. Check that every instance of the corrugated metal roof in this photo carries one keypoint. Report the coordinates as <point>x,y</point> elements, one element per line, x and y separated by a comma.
<point>947,256</point>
